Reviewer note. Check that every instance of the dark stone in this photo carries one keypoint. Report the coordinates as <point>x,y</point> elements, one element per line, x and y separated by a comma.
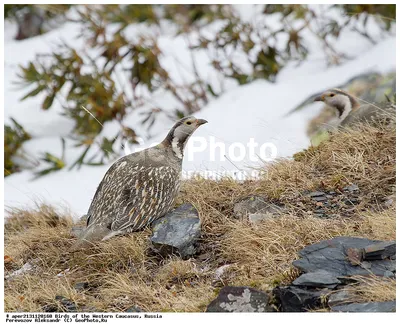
<point>366,266</point>
<point>177,231</point>
<point>366,307</point>
<point>320,279</point>
<point>351,202</point>
<point>66,304</point>
<point>80,286</point>
<point>294,299</point>
<point>240,299</point>
<point>338,298</point>
<point>320,198</point>
<point>331,255</point>
<point>381,250</point>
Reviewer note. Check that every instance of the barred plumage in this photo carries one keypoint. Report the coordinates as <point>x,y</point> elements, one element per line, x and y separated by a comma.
<point>139,188</point>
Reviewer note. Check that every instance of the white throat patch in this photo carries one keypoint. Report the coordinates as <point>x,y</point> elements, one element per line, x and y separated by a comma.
<point>335,122</point>
<point>347,107</point>
<point>176,148</point>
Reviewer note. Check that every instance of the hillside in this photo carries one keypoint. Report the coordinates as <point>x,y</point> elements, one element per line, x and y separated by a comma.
<point>356,168</point>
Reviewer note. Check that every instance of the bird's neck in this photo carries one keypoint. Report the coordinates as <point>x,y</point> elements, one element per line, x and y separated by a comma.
<point>345,111</point>
<point>176,144</point>
<point>348,104</point>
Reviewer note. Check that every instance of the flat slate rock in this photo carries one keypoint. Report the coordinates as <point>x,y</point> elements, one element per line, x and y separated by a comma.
<point>339,298</point>
<point>380,250</point>
<point>296,299</point>
<point>320,279</point>
<point>240,299</point>
<point>177,231</point>
<point>332,256</point>
<point>367,307</point>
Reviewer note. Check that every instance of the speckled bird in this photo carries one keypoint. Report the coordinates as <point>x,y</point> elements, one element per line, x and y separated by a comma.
<point>139,187</point>
<point>349,111</point>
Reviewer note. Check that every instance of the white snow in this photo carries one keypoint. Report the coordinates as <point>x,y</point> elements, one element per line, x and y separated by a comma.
<point>241,114</point>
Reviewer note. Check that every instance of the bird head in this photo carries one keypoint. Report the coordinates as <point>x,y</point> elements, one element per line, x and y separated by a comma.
<point>185,127</point>
<point>341,101</point>
<point>180,133</point>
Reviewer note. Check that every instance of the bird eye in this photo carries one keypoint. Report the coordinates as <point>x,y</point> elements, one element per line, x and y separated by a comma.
<point>331,95</point>
<point>189,122</point>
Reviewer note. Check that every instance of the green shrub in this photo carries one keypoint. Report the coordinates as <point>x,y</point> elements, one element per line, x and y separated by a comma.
<point>14,136</point>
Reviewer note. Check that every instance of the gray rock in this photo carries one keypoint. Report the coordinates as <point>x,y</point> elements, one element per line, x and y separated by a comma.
<point>316,194</point>
<point>255,205</point>
<point>351,202</point>
<point>320,279</point>
<point>381,250</point>
<point>367,266</point>
<point>338,298</point>
<point>240,299</point>
<point>320,198</point>
<point>331,255</point>
<point>367,307</point>
<point>66,304</point>
<point>81,286</point>
<point>295,299</point>
<point>177,231</point>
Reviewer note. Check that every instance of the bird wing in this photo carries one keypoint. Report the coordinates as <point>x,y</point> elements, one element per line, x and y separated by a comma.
<point>131,195</point>
<point>140,202</point>
<point>102,209</point>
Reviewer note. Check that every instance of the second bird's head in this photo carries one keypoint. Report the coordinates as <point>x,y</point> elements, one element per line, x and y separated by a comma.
<point>180,133</point>
<point>341,101</point>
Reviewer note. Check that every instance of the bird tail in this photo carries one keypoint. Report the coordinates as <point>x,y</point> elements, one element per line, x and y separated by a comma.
<point>89,236</point>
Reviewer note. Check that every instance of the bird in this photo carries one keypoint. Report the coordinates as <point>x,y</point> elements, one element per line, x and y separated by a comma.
<point>349,111</point>
<point>138,188</point>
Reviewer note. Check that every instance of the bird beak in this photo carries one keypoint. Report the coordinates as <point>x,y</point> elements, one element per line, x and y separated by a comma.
<point>319,99</point>
<point>201,122</point>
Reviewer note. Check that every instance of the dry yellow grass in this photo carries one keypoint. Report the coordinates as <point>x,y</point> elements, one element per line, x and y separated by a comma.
<point>372,289</point>
<point>367,289</point>
<point>123,271</point>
